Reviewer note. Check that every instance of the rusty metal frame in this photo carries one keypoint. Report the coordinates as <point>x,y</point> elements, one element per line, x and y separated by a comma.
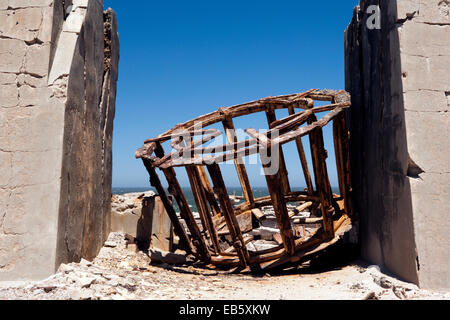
<point>336,210</point>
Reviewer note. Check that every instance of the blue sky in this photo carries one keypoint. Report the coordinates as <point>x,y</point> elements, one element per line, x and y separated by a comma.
<point>182,59</point>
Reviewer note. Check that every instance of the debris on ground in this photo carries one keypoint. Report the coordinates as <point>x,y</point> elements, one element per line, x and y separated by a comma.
<point>119,273</point>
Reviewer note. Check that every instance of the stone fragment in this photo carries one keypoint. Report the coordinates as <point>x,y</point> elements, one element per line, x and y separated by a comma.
<point>261,245</point>
<point>244,220</point>
<point>258,214</point>
<point>86,282</point>
<point>265,233</point>
<point>83,294</point>
<point>110,244</point>
<point>167,257</point>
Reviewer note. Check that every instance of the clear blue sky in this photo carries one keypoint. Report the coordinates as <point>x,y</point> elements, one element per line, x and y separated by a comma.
<point>182,59</point>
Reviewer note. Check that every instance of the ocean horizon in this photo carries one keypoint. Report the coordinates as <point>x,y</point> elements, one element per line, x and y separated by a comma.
<point>236,191</point>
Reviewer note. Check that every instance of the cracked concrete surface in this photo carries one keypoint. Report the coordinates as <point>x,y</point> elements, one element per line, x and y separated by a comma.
<point>48,145</point>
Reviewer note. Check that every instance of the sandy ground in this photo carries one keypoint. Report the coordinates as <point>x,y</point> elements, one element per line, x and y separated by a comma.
<point>120,274</point>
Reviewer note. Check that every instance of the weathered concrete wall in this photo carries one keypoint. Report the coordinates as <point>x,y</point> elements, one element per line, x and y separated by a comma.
<point>57,91</point>
<point>399,79</point>
<point>144,217</point>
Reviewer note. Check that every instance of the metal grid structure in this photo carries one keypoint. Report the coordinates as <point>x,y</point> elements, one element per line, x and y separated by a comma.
<point>205,240</point>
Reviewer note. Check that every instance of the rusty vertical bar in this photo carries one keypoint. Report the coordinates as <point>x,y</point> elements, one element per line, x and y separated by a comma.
<point>240,167</point>
<point>341,141</point>
<point>200,200</point>
<point>206,186</point>
<point>209,192</point>
<point>303,160</point>
<point>347,166</point>
<point>204,198</point>
<point>274,184</point>
<point>192,183</point>
<point>228,212</point>
<point>319,156</point>
<point>178,228</point>
<point>283,174</point>
<point>185,211</point>
<point>339,156</point>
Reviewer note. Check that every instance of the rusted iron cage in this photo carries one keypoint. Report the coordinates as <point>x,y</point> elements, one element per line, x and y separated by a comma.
<point>213,200</point>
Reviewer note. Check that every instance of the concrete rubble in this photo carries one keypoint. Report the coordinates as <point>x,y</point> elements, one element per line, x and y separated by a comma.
<point>119,273</point>
<point>126,211</point>
<point>143,216</point>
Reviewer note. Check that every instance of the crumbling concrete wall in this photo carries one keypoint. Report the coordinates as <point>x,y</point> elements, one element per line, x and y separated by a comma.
<point>143,216</point>
<point>399,79</point>
<point>58,72</point>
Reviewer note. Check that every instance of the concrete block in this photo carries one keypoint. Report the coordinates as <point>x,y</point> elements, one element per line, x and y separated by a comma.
<point>424,40</point>
<point>9,95</point>
<point>3,130</point>
<point>124,222</point>
<point>62,61</point>
<point>35,129</point>
<point>31,81</point>
<point>434,12</point>
<point>426,101</point>
<point>7,78</point>
<point>5,169</point>
<point>425,73</point>
<point>30,96</point>
<point>21,24</point>
<point>400,101</point>
<point>17,4</point>
<point>75,20</point>
<point>45,31</point>
<point>55,189</point>
<point>428,145</point>
<point>12,53</point>
<point>3,4</point>
<point>34,64</point>
<point>408,8</point>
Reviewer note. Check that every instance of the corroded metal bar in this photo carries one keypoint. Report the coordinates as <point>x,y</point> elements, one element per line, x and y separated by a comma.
<point>228,213</point>
<point>319,156</point>
<point>185,211</point>
<point>283,173</point>
<point>178,228</point>
<point>200,200</point>
<point>300,100</point>
<point>209,192</point>
<point>341,144</point>
<point>240,167</point>
<point>301,132</point>
<point>275,186</point>
<point>303,161</point>
<point>201,210</point>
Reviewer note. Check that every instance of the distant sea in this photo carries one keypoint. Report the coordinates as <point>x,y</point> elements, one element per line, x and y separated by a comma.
<point>258,193</point>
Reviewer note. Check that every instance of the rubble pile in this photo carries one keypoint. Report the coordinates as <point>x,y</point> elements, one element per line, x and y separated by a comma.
<point>120,272</point>
<point>129,203</point>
